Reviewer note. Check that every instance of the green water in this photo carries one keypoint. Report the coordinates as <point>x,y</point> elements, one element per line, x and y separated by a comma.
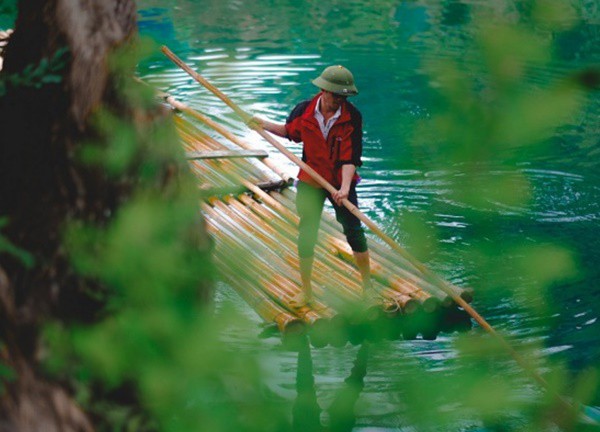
<point>264,55</point>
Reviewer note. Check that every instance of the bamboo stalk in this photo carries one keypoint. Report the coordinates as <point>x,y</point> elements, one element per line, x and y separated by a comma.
<point>286,323</point>
<point>225,154</point>
<point>321,276</point>
<point>276,287</point>
<point>267,255</point>
<point>271,286</point>
<point>224,132</point>
<point>280,248</point>
<point>338,246</point>
<point>342,268</point>
<point>197,140</point>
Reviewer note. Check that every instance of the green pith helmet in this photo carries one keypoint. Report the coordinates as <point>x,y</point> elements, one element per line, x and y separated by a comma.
<point>338,80</point>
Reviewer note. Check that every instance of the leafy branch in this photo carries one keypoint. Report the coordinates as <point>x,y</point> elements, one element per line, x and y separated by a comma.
<point>47,71</point>
<point>6,246</point>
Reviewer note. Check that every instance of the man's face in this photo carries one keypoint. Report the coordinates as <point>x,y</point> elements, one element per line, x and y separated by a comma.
<point>332,101</point>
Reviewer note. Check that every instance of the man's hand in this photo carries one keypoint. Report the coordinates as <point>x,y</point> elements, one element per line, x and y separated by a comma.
<point>340,195</point>
<point>348,171</point>
<point>255,123</point>
<point>251,121</point>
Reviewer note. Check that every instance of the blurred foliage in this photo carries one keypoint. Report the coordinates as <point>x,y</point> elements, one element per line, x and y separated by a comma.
<point>492,112</point>
<point>48,71</point>
<point>7,247</point>
<point>7,374</point>
<point>159,344</point>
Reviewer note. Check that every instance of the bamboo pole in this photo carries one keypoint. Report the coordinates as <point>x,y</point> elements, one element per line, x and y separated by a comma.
<point>270,284</point>
<point>384,273</point>
<point>198,140</point>
<point>221,130</point>
<point>323,325</point>
<point>280,250</point>
<point>380,256</point>
<point>391,301</point>
<point>323,276</point>
<point>354,210</point>
<point>286,322</point>
<point>239,230</point>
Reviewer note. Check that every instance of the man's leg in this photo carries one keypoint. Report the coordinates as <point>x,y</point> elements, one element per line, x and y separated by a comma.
<point>363,262</point>
<point>309,204</point>
<point>306,264</point>
<point>355,235</point>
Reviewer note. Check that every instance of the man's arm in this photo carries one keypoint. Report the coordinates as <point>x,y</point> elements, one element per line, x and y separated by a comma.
<point>275,128</point>
<point>289,129</point>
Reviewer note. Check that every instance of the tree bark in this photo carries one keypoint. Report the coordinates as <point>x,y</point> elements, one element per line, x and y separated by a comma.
<point>42,186</point>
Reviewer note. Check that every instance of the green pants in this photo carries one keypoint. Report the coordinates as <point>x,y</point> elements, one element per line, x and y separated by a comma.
<point>309,204</point>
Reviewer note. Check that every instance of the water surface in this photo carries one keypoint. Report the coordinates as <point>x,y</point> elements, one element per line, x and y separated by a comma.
<point>264,55</point>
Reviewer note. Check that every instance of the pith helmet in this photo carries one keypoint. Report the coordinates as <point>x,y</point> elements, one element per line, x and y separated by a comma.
<point>336,79</point>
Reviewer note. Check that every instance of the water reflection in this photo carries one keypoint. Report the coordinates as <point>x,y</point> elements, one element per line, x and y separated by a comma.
<point>306,411</point>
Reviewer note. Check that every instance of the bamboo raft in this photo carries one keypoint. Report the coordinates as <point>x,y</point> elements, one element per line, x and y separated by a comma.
<point>249,209</point>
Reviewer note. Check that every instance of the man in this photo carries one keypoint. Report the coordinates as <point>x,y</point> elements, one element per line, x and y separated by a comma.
<point>330,129</point>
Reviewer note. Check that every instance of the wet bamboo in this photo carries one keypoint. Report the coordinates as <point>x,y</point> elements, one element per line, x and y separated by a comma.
<point>233,167</point>
<point>259,302</point>
<point>286,322</point>
<point>221,130</point>
<point>243,166</point>
<point>321,331</point>
<point>402,285</point>
<point>270,286</point>
<point>232,177</point>
<point>197,140</point>
<point>264,213</point>
<point>237,234</point>
<point>284,293</point>
<point>207,169</point>
<point>284,251</point>
<point>225,154</point>
<point>390,301</point>
<point>322,277</point>
<point>404,301</point>
<point>234,172</point>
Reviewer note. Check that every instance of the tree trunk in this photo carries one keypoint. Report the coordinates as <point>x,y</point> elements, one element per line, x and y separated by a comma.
<point>42,186</point>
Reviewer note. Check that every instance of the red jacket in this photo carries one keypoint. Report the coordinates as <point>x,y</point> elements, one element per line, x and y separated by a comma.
<point>343,145</point>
